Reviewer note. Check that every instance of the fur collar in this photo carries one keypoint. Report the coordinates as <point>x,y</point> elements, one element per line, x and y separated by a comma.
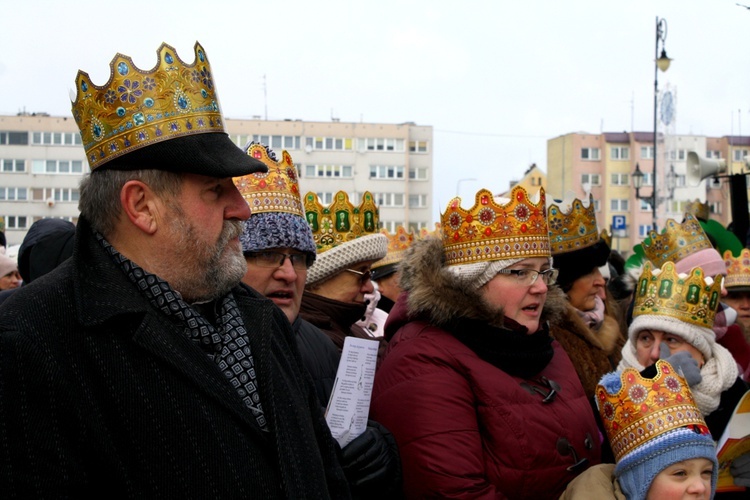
<point>605,338</point>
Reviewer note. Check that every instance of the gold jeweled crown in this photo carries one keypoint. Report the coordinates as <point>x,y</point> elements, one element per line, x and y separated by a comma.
<point>137,108</point>
<point>676,241</point>
<point>646,408</point>
<point>435,233</point>
<point>698,209</point>
<point>490,231</point>
<point>398,244</point>
<point>738,269</point>
<point>274,191</point>
<point>607,237</point>
<point>573,230</point>
<point>687,298</point>
<point>341,221</point>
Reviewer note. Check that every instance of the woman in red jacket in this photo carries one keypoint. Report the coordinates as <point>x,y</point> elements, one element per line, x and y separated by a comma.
<point>482,402</point>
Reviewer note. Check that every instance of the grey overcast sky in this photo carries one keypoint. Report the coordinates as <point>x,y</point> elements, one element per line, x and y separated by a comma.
<point>495,78</point>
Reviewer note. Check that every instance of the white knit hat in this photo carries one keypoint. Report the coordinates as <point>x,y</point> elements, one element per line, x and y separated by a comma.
<point>340,257</point>
<point>699,337</point>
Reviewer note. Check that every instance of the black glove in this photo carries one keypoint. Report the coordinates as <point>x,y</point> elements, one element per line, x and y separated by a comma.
<point>740,470</point>
<point>684,363</point>
<point>372,464</point>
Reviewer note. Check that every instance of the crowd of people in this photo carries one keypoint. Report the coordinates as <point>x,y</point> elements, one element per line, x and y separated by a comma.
<point>183,339</point>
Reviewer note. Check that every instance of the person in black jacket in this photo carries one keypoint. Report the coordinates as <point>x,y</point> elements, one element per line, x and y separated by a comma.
<point>141,367</point>
<point>279,248</point>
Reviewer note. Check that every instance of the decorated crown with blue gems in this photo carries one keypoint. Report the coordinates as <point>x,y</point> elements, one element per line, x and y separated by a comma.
<point>137,108</point>
<point>574,229</point>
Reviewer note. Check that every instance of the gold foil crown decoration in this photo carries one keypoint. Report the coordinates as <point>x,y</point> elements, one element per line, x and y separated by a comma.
<point>137,108</point>
<point>676,242</point>
<point>491,231</point>
<point>643,409</point>
<point>738,269</point>
<point>435,233</point>
<point>699,210</point>
<point>274,191</point>
<point>341,221</point>
<point>398,244</point>
<point>573,230</point>
<point>607,237</point>
<point>688,298</point>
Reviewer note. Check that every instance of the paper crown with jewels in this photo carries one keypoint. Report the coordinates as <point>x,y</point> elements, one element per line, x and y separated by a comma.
<point>137,108</point>
<point>643,409</point>
<point>274,191</point>
<point>435,233</point>
<point>698,209</point>
<point>688,298</point>
<point>738,269</point>
<point>607,237</point>
<point>491,231</point>
<point>676,241</point>
<point>573,229</point>
<point>398,244</point>
<point>340,221</point>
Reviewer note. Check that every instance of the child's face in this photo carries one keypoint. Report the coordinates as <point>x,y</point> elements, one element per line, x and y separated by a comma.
<point>686,479</point>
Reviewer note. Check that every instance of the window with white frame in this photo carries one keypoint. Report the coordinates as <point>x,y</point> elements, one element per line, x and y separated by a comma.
<point>330,143</point>
<point>56,138</point>
<point>417,146</point>
<point>415,227</point>
<point>55,194</point>
<point>680,180</point>
<point>648,178</point>
<point>644,206</point>
<point>591,179</point>
<point>389,199</point>
<point>620,179</point>
<point>10,165</point>
<point>597,206</point>
<point>647,152</point>
<point>681,154</point>
<point>590,154</point>
<point>13,194</point>
<point>620,152</point>
<point>417,200</point>
<point>56,166</point>
<point>715,207</point>
<point>14,138</point>
<point>16,222</point>
<point>643,230</point>
<point>739,154</point>
<point>391,225</point>
<point>330,171</point>
<point>381,144</point>
<point>677,207</point>
<point>386,172</point>
<point>618,205</point>
<point>276,142</point>
<point>713,154</point>
<point>418,174</point>
<point>325,198</point>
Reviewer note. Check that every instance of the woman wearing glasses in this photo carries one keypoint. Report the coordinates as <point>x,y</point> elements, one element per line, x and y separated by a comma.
<point>482,402</point>
<point>588,330</point>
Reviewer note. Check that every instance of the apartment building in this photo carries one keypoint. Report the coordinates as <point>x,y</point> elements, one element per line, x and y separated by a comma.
<point>42,161</point>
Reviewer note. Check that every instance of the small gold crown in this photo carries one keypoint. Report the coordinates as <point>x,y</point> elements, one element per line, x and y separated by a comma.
<point>676,242</point>
<point>137,108</point>
<point>489,231</point>
<point>646,408</point>
<point>687,298</point>
<point>341,221</point>
<point>738,269</point>
<point>607,237</point>
<point>398,244</point>
<point>435,233</point>
<point>574,230</point>
<point>698,209</point>
<point>274,191</point>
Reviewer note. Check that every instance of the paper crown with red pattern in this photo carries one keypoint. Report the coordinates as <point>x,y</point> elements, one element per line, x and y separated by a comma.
<point>573,229</point>
<point>688,298</point>
<point>491,231</point>
<point>698,209</point>
<point>137,108</point>
<point>341,221</point>
<point>435,233</point>
<point>274,191</point>
<point>398,244</point>
<point>738,269</point>
<point>676,241</point>
<point>643,409</point>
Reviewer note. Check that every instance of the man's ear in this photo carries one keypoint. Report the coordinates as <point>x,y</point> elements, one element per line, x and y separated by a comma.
<point>141,206</point>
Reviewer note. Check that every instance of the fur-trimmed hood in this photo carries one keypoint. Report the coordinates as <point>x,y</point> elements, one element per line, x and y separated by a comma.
<point>437,296</point>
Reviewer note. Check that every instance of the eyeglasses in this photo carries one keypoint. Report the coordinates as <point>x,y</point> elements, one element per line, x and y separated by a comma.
<point>364,276</point>
<point>300,261</point>
<point>527,277</point>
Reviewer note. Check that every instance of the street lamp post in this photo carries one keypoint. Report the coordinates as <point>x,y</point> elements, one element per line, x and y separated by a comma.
<point>661,62</point>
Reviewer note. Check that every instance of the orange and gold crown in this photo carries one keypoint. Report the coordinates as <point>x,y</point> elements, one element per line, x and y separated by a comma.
<point>698,209</point>
<point>491,231</point>
<point>688,298</point>
<point>137,108</point>
<point>738,269</point>
<point>435,233</point>
<point>573,230</point>
<point>398,244</point>
<point>274,191</point>
<point>341,221</point>
<point>643,409</point>
<point>676,242</point>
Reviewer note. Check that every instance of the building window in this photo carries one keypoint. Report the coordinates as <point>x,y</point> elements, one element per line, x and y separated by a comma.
<point>591,179</point>
<point>620,152</point>
<point>620,179</point>
<point>330,171</point>
<point>16,222</point>
<point>417,200</point>
<point>380,144</point>
<point>647,152</point>
<point>389,199</point>
<point>643,230</point>
<point>386,172</point>
<point>713,154</point>
<point>715,207</point>
<point>645,206</point>
<point>13,165</point>
<point>617,205</point>
<point>14,138</point>
<point>328,143</point>
<point>419,174</point>
<point>414,227</point>
<point>55,138</point>
<point>391,225</point>
<point>590,154</point>
<point>13,194</point>
<point>56,167</point>
<point>325,198</point>
<point>677,207</point>
<point>739,154</point>
<point>417,146</point>
<point>597,206</point>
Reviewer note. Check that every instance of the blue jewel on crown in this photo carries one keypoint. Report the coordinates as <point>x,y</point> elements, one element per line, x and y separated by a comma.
<point>142,136</point>
<point>201,122</point>
<point>201,56</point>
<point>150,118</point>
<point>158,132</point>
<point>139,119</point>
<point>113,147</point>
<point>123,69</point>
<point>120,111</point>
<point>188,125</point>
<point>148,102</point>
<point>168,57</point>
<point>127,142</point>
<point>204,93</point>
<point>84,86</point>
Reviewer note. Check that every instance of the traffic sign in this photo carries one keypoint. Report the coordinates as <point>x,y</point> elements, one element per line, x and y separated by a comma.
<point>618,222</point>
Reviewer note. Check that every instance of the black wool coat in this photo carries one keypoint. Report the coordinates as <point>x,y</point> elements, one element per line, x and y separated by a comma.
<point>101,395</point>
